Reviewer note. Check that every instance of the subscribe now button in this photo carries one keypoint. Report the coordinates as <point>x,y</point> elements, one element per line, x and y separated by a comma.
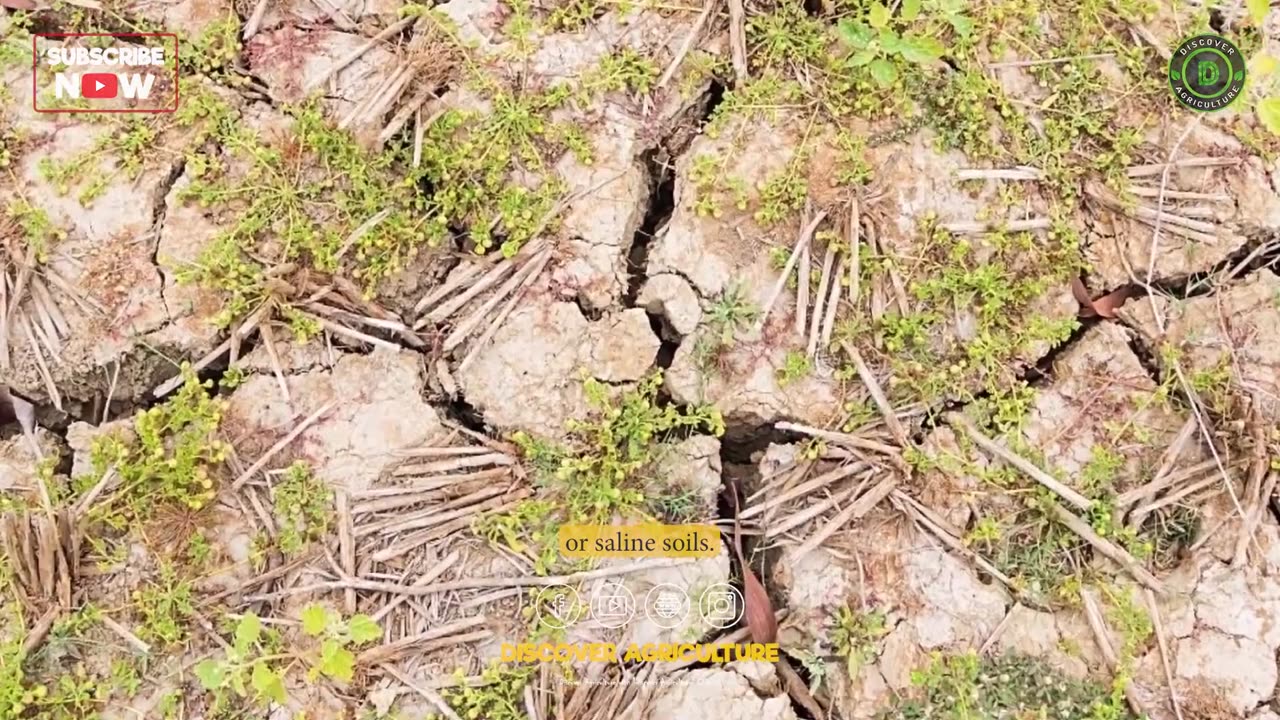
<point>645,540</point>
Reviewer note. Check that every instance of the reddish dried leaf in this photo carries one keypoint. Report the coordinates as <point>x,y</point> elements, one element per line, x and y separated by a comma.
<point>1107,305</point>
<point>1104,306</point>
<point>759,611</point>
<point>19,4</point>
<point>760,617</point>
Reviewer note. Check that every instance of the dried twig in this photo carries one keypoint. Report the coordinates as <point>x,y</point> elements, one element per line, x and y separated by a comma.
<point>974,227</point>
<point>806,234</point>
<point>300,428</point>
<point>1153,607</point>
<point>856,509</point>
<point>960,422</point>
<point>476,582</point>
<point>1099,626</point>
<point>877,395</point>
<point>738,41</point>
<point>708,9</point>
<point>1105,547</point>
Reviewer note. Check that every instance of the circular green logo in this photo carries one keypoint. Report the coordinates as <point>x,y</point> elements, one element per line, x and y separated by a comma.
<point>1206,73</point>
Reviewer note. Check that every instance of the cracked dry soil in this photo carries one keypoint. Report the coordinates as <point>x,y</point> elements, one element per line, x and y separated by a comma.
<point>401,288</point>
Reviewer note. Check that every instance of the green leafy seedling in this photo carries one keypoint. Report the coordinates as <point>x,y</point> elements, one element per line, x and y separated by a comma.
<point>876,44</point>
<point>245,669</point>
<point>337,636</point>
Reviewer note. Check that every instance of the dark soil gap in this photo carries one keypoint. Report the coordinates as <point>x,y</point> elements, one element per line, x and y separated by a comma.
<point>662,187</point>
<point>465,414</point>
<point>1201,283</point>
<point>715,96</point>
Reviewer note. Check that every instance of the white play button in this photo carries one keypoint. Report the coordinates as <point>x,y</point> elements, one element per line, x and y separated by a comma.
<point>98,85</point>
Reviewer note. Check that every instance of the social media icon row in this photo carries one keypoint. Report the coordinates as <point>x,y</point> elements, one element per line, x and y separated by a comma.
<point>612,606</point>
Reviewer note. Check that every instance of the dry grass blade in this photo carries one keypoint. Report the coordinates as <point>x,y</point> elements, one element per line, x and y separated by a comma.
<point>708,8</point>
<point>50,386</point>
<point>820,306</point>
<point>960,422</point>
<point>877,395</point>
<point>298,429</point>
<point>452,464</point>
<point>1098,625</point>
<point>806,235</point>
<point>1106,548</point>
<point>845,439</point>
<point>427,693</point>
<point>856,510</point>
<point>804,269</point>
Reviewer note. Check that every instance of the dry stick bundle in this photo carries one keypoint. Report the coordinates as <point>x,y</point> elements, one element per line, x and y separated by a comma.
<point>828,478</point>
<point>820,307</point>
<point>833,305</point>
<point>947,535</point>
<point>806,234</point>
<point>526,273</point>
<point>856,510</point>
<point>426,578</point>
<point>501,317</point>
<point>43,548</point>
<point>845,439</point>
<point>455,631</point>
<point>797,519</point>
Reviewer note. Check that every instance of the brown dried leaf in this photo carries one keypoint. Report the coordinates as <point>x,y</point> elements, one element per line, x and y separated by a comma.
<point>19,4</point>
<point>759,611</point>
<point>1107,305</point>
<point>1104,306</point>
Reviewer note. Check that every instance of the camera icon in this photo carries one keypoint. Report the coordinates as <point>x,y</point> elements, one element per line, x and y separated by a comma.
<point>721,605</point>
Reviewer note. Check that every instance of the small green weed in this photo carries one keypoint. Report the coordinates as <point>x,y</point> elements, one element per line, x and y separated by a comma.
<point>856,637</point>
<point>303,508</point>
<point>599,475</point>
<point>966,687</point>
<point>500,697</point>
<point>165,606</point>
<point>173,461</point>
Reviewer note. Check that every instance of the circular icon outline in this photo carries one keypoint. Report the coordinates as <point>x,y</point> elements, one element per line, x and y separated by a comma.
<point>631,606</point>
<point>1188,92</point>
<point>550,617</point>
<point>650,606</point>
<point>740,605</point>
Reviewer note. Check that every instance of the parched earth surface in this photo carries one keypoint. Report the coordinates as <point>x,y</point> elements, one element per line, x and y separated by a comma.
<point>945,312</point>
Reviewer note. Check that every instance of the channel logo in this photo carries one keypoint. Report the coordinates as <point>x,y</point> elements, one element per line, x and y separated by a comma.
<point>105,72</point>
<point>99,86</point>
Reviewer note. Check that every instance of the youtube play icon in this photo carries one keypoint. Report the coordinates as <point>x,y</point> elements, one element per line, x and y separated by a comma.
<point>99,86</point>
